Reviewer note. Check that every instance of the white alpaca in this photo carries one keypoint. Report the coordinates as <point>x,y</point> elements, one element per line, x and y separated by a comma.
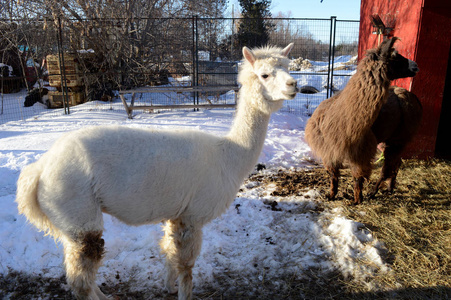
<point>185,178</point>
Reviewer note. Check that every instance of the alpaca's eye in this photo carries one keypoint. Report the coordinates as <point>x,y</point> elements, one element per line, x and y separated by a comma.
<point>264,76</point>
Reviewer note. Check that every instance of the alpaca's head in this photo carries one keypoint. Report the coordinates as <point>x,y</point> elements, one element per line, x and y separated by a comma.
<point>267,69</point>
<point>397,65</point>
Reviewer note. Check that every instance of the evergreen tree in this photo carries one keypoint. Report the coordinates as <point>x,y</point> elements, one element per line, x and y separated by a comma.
<point>254,27</point>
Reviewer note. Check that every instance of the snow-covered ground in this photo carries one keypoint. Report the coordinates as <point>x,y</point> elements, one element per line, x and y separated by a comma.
<point>250,239</point>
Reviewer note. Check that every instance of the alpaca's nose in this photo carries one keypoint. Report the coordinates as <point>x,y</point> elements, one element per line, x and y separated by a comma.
<point>293,83</point>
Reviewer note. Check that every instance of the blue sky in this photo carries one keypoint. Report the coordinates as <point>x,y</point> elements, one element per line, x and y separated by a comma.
<point>342,9</point>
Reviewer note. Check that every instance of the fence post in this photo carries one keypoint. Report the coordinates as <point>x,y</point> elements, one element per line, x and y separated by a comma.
<point>193,57</point>
<point>62,68</point>
<point>197,57</point>
<point>333,22</point>
<point>333,57</point>
<point>195,60</point>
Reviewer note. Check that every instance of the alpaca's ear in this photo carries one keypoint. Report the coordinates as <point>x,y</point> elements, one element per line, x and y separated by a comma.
<point>248,55</point>
<point>287,49</point>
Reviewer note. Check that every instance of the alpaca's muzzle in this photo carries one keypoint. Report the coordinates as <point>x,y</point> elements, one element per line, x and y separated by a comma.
<point>292,83</point>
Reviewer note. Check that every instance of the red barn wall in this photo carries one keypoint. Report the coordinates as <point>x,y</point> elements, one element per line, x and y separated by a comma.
<point>401,15</point>
<point>424,27</point>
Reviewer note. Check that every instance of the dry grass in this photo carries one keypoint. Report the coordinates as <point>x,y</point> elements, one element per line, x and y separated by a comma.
<point>415,224</point>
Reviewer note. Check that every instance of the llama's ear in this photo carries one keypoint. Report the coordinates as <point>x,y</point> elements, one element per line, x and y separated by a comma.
<point>372,55</point>
<point>248,55</point>
<point>386,48</point>
<point>287,49</point>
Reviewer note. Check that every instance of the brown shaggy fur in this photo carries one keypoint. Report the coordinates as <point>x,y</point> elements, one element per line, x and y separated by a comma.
<point>398,121</point>
<point>339,130</point>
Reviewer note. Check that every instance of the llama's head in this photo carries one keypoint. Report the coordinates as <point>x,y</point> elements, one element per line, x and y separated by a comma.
<point>397,65</point>
<point>267,69</point>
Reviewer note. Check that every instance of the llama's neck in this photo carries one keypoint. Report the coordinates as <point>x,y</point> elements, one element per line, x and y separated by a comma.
<point>247,134</point>
<point>365,94</point>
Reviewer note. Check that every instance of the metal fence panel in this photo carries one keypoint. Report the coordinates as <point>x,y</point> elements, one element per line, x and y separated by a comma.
<point>92,58</point>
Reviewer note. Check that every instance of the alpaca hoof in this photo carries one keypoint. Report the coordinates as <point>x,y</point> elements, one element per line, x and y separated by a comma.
<point>100,295</point>
<point>171,289</point>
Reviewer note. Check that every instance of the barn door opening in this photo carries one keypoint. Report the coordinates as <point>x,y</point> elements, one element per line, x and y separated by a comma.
<point>443,146</point>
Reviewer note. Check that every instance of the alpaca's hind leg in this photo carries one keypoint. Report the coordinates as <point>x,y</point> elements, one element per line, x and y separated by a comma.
<point>82,257</point>
<point>181,245</point>
<point>170,276</point>
<point>334,173</point>
<point>169,250</point>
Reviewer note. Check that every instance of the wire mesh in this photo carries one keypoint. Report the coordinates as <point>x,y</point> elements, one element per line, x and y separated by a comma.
<point>103,56</point>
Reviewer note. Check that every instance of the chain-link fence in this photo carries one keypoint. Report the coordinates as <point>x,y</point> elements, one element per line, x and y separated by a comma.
<point>51,66</point>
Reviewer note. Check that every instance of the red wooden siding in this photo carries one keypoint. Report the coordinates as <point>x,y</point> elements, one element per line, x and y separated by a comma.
<point>424,27</point>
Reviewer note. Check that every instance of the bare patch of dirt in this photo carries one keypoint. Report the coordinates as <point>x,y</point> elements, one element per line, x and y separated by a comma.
<point>296,183</point>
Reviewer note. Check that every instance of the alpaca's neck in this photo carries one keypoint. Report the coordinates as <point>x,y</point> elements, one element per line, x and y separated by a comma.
<point>247,134</point>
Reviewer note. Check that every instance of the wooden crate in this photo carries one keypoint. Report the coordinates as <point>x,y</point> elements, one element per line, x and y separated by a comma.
<point>72,70</point>
<point>56,98</point>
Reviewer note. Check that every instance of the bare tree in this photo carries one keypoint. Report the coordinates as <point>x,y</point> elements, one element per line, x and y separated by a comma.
<point>116,43</point>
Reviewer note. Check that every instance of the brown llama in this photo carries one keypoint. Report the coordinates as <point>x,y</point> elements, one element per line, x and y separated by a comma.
<point>340,129</point>
<point>396,124</point>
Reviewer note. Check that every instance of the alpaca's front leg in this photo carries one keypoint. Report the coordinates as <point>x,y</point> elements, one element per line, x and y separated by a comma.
<point>181,244</point>
<point>189,246</point>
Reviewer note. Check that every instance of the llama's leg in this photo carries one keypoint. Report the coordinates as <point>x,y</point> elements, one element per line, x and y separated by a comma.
<point>360,171</point>
<point>358,186</point>
<point>376,187</point>
<point>392,164</point>
<point>334,173</point>
<point>389,171</point>
<point>181,245</point>
<point>82,257</point>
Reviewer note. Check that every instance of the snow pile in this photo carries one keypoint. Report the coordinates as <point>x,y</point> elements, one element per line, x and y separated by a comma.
<point>356,254</point>
<point>7,70</point>
<point>300,64</point>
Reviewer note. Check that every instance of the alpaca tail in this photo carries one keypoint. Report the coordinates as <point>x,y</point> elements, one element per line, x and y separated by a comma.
<point>27,199</point>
